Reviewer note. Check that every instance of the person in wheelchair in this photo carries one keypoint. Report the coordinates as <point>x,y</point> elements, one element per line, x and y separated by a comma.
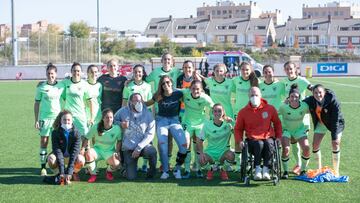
<point>261,124</point>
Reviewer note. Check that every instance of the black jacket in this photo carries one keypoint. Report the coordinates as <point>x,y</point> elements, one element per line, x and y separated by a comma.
<point>330,114</point>
<point>59,143</point>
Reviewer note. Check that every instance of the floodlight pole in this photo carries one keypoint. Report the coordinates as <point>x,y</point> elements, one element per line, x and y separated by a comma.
<point>98,33</point>
<point>14,35</point>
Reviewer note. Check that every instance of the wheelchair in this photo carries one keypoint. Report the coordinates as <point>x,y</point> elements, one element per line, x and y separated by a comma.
<point>247,164</point>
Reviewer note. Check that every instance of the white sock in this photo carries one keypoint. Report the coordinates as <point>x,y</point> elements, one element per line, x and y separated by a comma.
<point>336,161</point>
<point>318,158</point>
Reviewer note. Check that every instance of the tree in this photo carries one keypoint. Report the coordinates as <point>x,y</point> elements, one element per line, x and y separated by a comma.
<point>79,29</point>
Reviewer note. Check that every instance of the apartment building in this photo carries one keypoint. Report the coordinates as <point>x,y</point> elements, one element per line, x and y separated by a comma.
<point>337,10</point>
<point>228,9</point>
<point>40,26</point>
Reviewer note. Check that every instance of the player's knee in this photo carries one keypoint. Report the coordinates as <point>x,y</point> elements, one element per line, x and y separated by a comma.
<point>90,155</point>
<point>52,161</point>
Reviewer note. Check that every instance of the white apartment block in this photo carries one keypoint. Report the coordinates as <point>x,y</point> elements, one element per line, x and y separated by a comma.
<point>228,9</point>
<point>320,32</point>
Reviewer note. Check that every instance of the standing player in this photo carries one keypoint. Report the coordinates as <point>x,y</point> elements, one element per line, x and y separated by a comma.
<point>216,133</point>
<point>76,95</point>
<point>95,92</point>
<point>240,87</point>
<point>107,145</point>
<point>303,85</point>
<point>46,108</point>
<point>138,85</point>
<point>326,115</point>
<point>293,127</point>
<point>196,102</point>
<point>113,86</point>
<point>272,90</point>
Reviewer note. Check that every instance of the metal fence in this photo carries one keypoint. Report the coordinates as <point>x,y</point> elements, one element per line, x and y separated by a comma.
<point>42,48</point>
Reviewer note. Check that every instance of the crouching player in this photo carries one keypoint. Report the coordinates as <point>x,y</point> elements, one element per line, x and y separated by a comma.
<point>66,147</point>
<point>217,133</point>
<point>294,127</point>
<point>107,145</point>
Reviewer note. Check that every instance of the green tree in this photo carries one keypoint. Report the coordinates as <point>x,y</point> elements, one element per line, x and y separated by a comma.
<point>79,29</point>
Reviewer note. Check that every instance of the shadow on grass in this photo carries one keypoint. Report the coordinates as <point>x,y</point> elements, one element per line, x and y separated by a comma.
<point>13,176</point>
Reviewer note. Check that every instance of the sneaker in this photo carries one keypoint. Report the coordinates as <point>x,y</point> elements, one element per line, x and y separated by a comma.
<point>194,167</point>
<point>296,170</point>
<point>177,174</point>
<point>199,174</point>
<point>43,172</point>
<point>92,179</point>
<point>144,168</point>
<point>258,174</point>
<point>75,177</point>
<point>285,175</point>
<point>265,173</point>
<point>164,176</point>
<point>186,175</point>
<point>161,168</point>
<point>109,176</point>
<point>303,173</point>
<point>224,175</point>
<point>209,175</point>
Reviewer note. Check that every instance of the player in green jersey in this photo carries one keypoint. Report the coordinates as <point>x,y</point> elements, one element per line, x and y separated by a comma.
<point>216,133</point>
<point>138,85</point>
<point>46,108</point>
<point>167,68</point>
<point>240,87</point>
<point>95,92</point>
<point>196,102</point>
<point>76,95</point>
<point>107,145</point>
<point>294,127</point>
<point>303,85</point>
<point>272,90</point>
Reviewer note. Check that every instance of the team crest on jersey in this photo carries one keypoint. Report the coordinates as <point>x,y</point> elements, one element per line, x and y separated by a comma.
<point>112,135</point>
<point>263,89</point>
<point>214,131</point>
<point>240,83</point>
<point>187,99</point>
<point>200,103</point>
<point>274,89</point>
<point>46,90</point>
<point>226,86</point>
<point>67,86</point>
<point>265,115</point>
<point>288,113</point>
<point>214,85</point>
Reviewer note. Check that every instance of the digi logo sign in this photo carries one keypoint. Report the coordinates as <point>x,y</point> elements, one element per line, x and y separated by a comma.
<point>332,68</point>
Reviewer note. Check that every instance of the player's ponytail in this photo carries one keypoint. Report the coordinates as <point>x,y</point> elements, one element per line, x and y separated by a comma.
<point>101,125</point>
<point>294,89</point>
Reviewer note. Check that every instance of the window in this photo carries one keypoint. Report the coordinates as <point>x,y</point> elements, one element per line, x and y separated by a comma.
<point>221,38</point>
<point>181,27</point>
<point>344,28</point>
<point>221,27</point>
<point>355,40</point>
<point>301,28</point>
<point>355,28</point>
<point>152,27</point>
<point>237,11</point>
<point>312,39</point>
<point>192,27</point>
<point>232,27</point>
<point>213,12</point>
<point>344,40</point>
<point>260,27</point>
<point>201,13</point>
<point>230,11</point>
<point>301,40</point>
<point>305,14</point>
<point>224,12</point>
<point>218,12</point>
<point>322,39</point>
<point>313,28</point>
<point>243,11</point>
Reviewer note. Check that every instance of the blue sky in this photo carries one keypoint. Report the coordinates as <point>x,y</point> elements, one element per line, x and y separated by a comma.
<point>125,14</point>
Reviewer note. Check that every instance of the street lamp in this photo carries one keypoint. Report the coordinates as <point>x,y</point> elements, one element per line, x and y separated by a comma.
<point>98,33</point>
<point>14,35</point>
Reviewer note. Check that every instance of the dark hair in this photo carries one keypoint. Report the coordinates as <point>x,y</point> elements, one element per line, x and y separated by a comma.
<point>57,122</point>
<point>218,104</point>
<point>317,86</point>
<point>133,95</point>
<point>75,64</point>
<point>188,61</point>
<point>143,70</point>
<point>254,82</point>
<point>194,82</point>
<point>90,67</point>
<point>160,92</point>
<point>294,89</point>
<point>289,63</point>
<point>267,66</point>
<point>50,66</point>
<point>101,126</point>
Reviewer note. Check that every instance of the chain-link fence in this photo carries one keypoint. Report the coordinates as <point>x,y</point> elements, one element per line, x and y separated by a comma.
<point>42,48</point>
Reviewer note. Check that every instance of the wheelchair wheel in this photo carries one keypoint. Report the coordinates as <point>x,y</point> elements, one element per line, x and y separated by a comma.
<point>276,172</point>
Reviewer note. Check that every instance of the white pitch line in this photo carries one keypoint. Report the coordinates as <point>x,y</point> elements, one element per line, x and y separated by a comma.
<point>349,102</point>
<point>336,83</point>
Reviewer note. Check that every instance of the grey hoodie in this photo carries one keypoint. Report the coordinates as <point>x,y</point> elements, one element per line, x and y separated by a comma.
<point>141,130</point>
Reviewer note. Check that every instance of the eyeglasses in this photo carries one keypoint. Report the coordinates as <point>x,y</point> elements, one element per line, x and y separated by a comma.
<point>166,82</point>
